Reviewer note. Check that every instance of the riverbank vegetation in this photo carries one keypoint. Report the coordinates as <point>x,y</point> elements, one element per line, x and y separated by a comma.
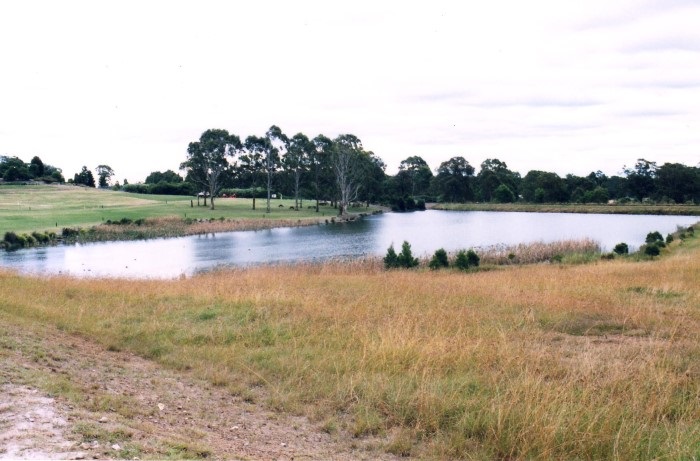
<point>340,171</point>
<point>547,361</point>
<point>615,208</point>
<point>51,208</point>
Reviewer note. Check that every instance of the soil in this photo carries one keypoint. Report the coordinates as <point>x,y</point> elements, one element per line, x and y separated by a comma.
<point>65,397</point>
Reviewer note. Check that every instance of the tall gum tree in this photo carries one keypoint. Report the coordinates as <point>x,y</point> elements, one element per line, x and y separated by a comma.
<point>297,161</point>
<point>346,160</point>
<point>207,162</point>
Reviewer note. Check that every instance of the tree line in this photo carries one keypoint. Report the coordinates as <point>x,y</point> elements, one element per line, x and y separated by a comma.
<point>342,172</point>
<point>339,170</point>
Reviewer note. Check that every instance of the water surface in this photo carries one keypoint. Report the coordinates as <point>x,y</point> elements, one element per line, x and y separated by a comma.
<point>426,231</point>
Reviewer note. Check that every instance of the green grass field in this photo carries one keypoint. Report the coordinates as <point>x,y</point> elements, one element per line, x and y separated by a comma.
<point>52,207</point>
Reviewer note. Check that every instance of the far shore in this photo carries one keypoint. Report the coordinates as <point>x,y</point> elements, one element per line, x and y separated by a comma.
<point>617,208</point>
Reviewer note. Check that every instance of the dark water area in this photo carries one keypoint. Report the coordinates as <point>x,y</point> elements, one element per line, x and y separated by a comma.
<point>425,231</point>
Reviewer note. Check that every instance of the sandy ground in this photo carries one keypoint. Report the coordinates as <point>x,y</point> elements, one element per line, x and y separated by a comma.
<point>64,397</point>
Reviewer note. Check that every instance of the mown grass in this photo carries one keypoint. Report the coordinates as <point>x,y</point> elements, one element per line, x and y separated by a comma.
<point>53,207</point>
<point>553,361</point>
<point>627,208</point>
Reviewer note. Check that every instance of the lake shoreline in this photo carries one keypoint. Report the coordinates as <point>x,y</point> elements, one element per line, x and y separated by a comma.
<point>628,209</point>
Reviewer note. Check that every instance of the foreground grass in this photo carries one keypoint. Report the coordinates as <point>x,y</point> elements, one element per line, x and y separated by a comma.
<point>596,361</point>
<point>633,208</point>
<point>53,207</point>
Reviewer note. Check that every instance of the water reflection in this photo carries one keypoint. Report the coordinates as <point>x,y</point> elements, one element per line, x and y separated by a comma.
<point>426,231</point>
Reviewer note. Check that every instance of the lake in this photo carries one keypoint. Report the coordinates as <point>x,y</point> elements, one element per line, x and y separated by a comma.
<point>425,231</point>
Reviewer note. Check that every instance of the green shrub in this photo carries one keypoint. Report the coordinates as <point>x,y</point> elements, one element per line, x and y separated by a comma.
<point>473,258</point>
<point>69,232</point>
<point>439,259</point>
<point>669,239</point>
<point>405,258</point>
<point>621,249</point>
<point>653,237</point>
<point>652,250</point>
<point>461,261</point>
<point>11,238</point>
<point>391,260</point>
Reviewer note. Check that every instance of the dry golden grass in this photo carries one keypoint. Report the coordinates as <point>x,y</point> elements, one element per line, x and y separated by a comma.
<point>596,361</point>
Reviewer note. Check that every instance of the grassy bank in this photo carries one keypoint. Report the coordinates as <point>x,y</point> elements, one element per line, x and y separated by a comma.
<point>688,210</point>
<point>596,361</point>
<point>24,209</point>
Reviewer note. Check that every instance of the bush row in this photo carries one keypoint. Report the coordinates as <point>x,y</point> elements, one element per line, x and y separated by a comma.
<point>14,241</point>
<point>462,261</point>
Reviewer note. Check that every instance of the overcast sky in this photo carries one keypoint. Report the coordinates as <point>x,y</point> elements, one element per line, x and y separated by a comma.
<point>563,86</point>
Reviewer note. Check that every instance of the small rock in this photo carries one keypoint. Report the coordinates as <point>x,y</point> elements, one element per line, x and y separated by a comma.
<point>283,444</point>
<point>103,419</point>
<point>79,456</point>
<point>161,407</point>
<point>234,428</point>
<point>85,446</point>
<point>116,447</point>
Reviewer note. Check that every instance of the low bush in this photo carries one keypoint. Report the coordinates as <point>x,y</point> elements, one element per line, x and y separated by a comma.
<point>405,258</point>
<point>439,260</point>
<point>621,249</point>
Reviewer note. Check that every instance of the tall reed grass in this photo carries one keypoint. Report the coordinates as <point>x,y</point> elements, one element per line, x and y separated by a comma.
<point>597,361</point>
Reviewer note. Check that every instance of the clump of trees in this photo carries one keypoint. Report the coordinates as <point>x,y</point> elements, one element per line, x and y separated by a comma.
<point>14,169</point>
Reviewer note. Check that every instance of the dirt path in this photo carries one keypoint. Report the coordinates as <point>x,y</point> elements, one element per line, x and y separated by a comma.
<point>64,397</point>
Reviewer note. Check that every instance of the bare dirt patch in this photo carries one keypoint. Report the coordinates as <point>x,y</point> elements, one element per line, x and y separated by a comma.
<point>66,397</point>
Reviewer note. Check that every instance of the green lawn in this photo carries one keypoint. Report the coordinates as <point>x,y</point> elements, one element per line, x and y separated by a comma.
<point>52,207</point>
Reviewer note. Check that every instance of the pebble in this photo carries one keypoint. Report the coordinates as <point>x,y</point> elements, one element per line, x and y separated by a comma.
<point>161,407</point>
<point>103,419</point>
<point>116,447</point>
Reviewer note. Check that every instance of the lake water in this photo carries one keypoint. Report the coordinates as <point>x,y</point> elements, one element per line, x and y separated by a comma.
<point>425,231</point>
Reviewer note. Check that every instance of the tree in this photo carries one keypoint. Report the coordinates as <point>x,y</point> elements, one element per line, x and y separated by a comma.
<point>405,258</point>
<point>416,172</point>
<point>207,162</point>
<point>320,160</point>
<point>13,169</point>
<point>36,167</point>
<point>494,173</point>
<point>168,176</point>
<point>678,182</point>
<point>105,173</point>
<point>345,160</point>
<point>543,186</point>
<point>298,160</point>
<point>276,145</point>
<point>84,178</point>
<point>453,180</point>
<point>640,179</point>
<point>252,163</point>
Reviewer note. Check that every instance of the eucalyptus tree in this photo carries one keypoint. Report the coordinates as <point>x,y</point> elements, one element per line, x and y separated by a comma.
<point>207,162</point>
<point>298,160</point>
<point>453,180</point>
<point>417,172</point>
<point>346,162</point>
<point>275,147</point>
<point>323,147</point>
<point>105,173</point>
<point>252,161</point>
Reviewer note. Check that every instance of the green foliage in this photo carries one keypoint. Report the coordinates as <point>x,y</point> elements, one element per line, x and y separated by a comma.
<point>439,259</point>
<point>503,194</point>
<point>466,259</point>
<point>669,239</point>
<point>621,249</point>
<point>652,249</point>
<point>461,262</point>
<point>653,237</point>
<point>405,258</point>
<point>391,260</point>
<point>473,258</point>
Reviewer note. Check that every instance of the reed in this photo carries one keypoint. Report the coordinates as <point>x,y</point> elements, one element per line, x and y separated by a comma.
<point>547,361</point>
